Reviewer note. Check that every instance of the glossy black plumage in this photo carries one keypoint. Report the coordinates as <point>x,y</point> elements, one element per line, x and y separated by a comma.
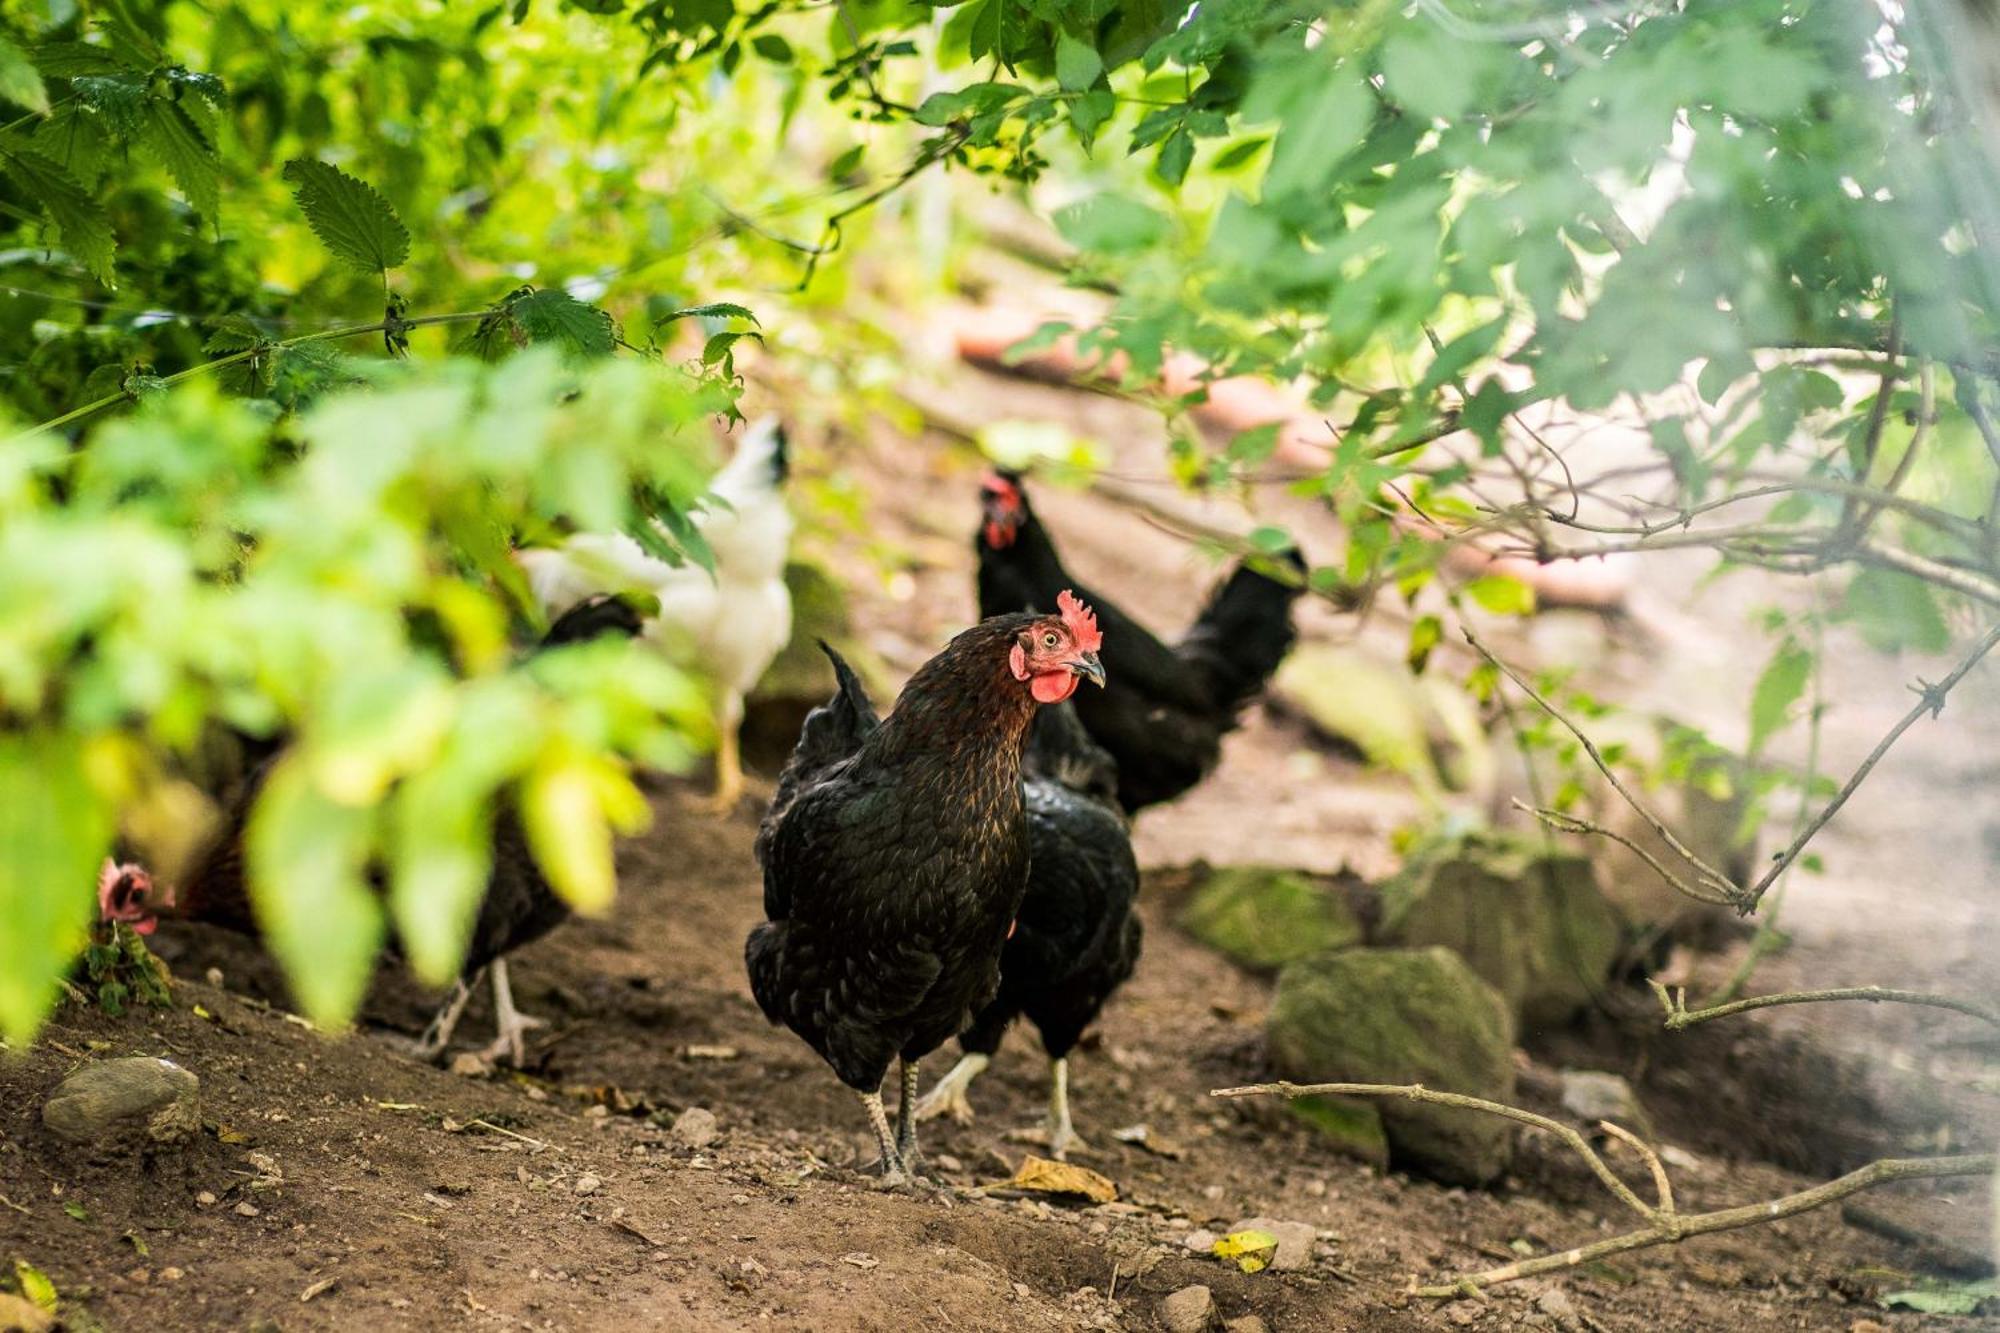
<point>1076,938</point>
<point>895,856</point>
<point>1165,709</point>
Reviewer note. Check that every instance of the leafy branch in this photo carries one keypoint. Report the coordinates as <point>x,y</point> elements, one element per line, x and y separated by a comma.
<point>1664,1223</point>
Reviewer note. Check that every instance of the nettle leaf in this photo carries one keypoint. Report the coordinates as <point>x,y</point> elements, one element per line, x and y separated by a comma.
<point>350,217</point>
<point>712,310</point>
<point>171,135</point>
<point>554,316</point>
<point>20,81</point>
<point>1781,685</point>
<point>81,222</point>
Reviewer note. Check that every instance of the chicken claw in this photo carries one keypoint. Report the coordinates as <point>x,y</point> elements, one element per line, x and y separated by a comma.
<point>947,1097</point>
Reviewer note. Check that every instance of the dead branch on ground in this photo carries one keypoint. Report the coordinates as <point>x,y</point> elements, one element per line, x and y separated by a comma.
<point>1665,1225</point>
<point>1680,1016</point>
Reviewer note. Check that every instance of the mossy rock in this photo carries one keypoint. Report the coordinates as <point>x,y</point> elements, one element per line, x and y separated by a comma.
<point>1352,1126</point>
<point>1529,919</point>
<point>1402,1016</point>
<point>1263,917</point>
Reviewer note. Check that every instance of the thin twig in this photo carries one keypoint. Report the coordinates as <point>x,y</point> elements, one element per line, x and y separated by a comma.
<point>1556,819</point>
<point>1680,1016</point>
<point>1716,880</point>
<point>1661,1185</point>
<point>1930,700</point>
<point>1416,1092</point>
<point>1665,1226</point>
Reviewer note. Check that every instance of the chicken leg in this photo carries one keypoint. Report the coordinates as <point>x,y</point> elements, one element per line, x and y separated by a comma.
<point>893,1175</point>
<point>431,1046</point>
<point>947,1095</point>
<point>1062,1134</point>
<point>509,1023</point>
<point>728,756</point>
<point>906,1121</point>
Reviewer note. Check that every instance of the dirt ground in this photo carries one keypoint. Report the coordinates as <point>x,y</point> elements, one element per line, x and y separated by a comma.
<point>341,1185</point>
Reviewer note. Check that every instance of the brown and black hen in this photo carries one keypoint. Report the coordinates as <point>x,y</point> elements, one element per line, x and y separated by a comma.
<point>1164,716</point>
<point>896,853</point>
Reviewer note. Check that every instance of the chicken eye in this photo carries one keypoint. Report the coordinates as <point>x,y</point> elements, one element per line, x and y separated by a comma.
<point>1049,640</point>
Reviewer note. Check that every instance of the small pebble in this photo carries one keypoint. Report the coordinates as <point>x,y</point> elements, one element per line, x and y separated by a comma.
<point>205,1199</point>
<point>587,1184</point>
<point>247,1209</point>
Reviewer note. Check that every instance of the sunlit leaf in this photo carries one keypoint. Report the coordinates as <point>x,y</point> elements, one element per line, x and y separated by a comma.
<point>350,217</point>
<point>54,831</point>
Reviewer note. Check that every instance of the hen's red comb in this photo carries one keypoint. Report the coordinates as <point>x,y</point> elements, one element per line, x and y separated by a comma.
<point>1082,621</point>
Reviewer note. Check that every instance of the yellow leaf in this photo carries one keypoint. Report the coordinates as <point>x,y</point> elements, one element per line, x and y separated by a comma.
<point>35,1284</point>
<point>1043,1176</point>
<point>564,817</point>
<point>1252,1250</point>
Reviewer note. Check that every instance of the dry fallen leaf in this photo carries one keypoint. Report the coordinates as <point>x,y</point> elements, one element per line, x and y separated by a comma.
<point>1043,1176</point>
<point>860,1260</point>
<point>1252,1250</point>
<point>318,1288</point>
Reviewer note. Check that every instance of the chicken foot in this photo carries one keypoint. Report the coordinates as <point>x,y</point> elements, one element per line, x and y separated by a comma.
<point>437,1035</point>
<point>906,1122</point>
<point>893,1175</point>
<point>511,1025</point>
<point>947,1095</point>
<point>1062,1134</point>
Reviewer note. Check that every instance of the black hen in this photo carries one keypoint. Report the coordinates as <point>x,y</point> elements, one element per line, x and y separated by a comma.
<point>896,852</point>
<point>519,907</point>
<point>1164,716</point>
<point>1076,939</point>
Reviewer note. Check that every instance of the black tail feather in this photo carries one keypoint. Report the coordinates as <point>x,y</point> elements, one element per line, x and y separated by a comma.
<point>1244,633</point>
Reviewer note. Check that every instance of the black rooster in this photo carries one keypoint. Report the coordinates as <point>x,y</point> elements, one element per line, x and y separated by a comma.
<point>896,852</point>
<point>519,907</point>
<point>1164,716</point>
<point>1076,939</point>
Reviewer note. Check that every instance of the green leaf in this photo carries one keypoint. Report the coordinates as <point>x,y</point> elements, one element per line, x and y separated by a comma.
<point>308,858</point>
<point>554,316</point>
<point>54,830</point>
<point>713,310</point>
<point>1502,595</point>
<point>1175,156</point>
<point>1327,123</point>
<point>20,82</point>
<point>772,47</point>
<point>350,217</point>
<point>1089,113</point>
<point>1111,223</point>
<point>1270,540</point>
<point>847,162</point>
<point>1895,611</point>
<point>175,139</point>
<point>77,1212</point>
<point>1959,1298</point>
<point>35,1285</point>
<point>568,832</point>
<point>940,109</point>
<point>1425,635</point>
<point>1077,63</point>
<point>1781,684</point>
<point>81,222</point>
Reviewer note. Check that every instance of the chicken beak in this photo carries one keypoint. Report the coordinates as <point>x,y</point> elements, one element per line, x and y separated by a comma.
<point>1089,668</point>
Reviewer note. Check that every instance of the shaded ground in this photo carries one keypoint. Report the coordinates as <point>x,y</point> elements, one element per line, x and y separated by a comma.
<point>564,1201</point>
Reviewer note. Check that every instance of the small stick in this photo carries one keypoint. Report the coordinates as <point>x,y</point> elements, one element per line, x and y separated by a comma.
<point>1680,1016</point>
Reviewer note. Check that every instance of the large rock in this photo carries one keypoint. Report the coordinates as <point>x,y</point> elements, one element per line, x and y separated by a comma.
<point>140,1102</point>
<point>1263,917</point>
<point>1404,1016</point>
<point>1527,918</point>
<point>1419,727</point>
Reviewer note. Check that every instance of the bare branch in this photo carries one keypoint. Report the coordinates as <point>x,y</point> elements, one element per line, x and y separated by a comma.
<point>1930,700</point>
<point>1665,1225</point>
<point>1680,1016</point>
<point>1662,1186</point>
<point>1556,819</point>
<point>1713,878</point>
<point>1416,1092</point>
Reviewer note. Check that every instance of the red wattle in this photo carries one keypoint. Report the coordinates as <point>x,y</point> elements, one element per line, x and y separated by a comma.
<point>1052,687</point>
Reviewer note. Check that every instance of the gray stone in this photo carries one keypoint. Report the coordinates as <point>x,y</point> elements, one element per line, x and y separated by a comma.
<point>1189,1310</point>
<point>696,1127</point>
<point>1248,1323</point>
<point>140,1101</point>
<point>1592,1095</point>
<point>1404,1016</point>
<point>1201,1240</point>
<point>1295,1239</point>
<point>1263,917</point>
<point>1529,920</point>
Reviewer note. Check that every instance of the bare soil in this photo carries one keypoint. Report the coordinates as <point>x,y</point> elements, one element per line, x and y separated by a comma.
<point>560,1198</point>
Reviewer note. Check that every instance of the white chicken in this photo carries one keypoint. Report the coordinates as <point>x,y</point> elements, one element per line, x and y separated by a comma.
<point>727,626</point>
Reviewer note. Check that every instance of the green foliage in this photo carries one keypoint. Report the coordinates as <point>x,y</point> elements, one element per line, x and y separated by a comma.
<point>349,216</point>
<point>124,970</point>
